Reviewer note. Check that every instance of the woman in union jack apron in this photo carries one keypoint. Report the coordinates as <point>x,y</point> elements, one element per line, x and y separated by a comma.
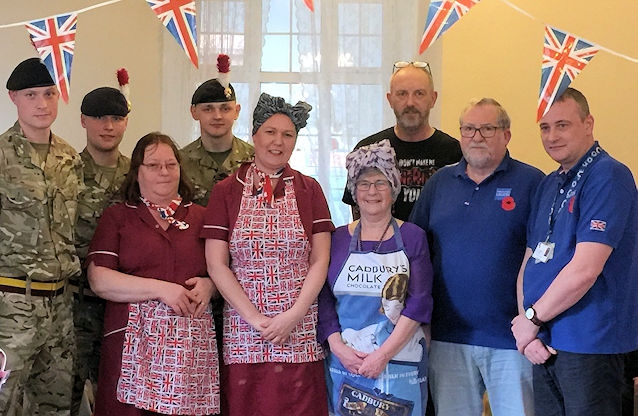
<point>159,352</point>
<point>377,297</point>
<point>268,243</point>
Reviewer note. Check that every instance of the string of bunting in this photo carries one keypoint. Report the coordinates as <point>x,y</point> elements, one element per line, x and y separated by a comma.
<point>53,37</point>
<point>565,55</point>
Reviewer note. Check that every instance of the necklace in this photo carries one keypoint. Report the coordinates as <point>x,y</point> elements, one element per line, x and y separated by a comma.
<point>387,227</point>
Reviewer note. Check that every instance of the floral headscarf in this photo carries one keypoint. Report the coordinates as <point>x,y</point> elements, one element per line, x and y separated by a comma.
<point>380,156</point>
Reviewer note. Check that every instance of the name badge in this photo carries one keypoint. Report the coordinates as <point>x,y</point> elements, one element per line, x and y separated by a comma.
<point>544,252</point>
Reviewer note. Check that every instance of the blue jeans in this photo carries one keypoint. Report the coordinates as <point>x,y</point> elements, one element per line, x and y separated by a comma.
<point>460,374</point>
<point>570,384</point>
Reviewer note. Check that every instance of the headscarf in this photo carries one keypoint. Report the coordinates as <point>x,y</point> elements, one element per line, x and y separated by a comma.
<point>380,156</point>
<point>268,106</point>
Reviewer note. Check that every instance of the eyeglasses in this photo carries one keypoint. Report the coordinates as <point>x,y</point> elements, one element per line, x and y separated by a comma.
<point>379,185</point>
<point>486,131</point>
<point>157,167</point>
<point>417,64</point>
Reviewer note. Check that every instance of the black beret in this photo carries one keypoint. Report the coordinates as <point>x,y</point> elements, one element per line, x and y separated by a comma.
<point>29,73</point>
<point>104,101</point>
<point>212,91</point>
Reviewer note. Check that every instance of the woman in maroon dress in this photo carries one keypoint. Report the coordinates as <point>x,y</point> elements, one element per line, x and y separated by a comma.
<point>159,353</point>
<point>268,244</point>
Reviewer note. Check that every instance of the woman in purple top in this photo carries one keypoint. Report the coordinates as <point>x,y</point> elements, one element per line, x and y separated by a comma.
<point>377,297</point>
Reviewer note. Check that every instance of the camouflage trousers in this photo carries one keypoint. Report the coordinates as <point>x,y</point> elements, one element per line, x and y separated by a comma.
<point>37,336</point>
<point>88,319</point>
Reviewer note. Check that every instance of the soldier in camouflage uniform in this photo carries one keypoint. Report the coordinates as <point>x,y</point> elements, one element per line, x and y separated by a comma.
<point>105,117</point>
<point>40,180</point>
<point>217,152</point>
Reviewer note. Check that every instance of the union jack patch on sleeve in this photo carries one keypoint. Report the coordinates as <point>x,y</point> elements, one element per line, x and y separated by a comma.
<point>597,225</point>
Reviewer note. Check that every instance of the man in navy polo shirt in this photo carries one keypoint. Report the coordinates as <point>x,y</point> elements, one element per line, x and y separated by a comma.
<point>475,213</point>
<point>579,301</point>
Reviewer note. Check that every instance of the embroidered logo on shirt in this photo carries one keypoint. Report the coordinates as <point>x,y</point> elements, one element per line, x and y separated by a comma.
<point>597,225</point>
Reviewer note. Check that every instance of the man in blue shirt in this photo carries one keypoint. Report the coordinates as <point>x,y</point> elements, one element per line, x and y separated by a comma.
<point>578,305</point>
<point>475,213</point>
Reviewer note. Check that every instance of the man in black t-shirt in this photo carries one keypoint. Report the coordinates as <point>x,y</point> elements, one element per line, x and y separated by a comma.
<point>420,148</point>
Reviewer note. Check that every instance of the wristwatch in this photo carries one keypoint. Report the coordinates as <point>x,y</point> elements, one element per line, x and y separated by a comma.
<point>530,313</point>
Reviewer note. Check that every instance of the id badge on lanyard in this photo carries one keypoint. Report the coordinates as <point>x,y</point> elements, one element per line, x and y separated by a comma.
<point>544,251</point>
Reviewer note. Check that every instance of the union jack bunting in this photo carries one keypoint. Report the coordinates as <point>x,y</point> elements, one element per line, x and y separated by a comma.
<point>564,56</point>
<point>179,18</point>
<point>54,39</point>
<point>441,16</point>
<point>310,5</point>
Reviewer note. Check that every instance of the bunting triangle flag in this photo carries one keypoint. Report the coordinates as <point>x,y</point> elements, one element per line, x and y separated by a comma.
<point>54,39</point>
<point>564,56</point>
<point>310,5</point>
<point>179,17</point>
<point>441,16</point>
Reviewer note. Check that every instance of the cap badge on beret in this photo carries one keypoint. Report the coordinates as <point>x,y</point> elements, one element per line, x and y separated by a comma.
<point>216,90</point>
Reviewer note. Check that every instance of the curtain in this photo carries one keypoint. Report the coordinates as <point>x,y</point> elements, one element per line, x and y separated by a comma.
<point>339,59</point>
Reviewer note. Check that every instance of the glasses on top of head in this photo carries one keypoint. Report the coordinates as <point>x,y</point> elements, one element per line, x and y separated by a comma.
<point>157,167</point>
<point>486,131</point>
<point>417,64</point>
<point>380,185</point>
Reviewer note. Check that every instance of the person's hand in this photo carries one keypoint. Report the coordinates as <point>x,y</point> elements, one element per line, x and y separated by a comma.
<point>350,358</point>
<point>180,299</point>
<point>279,328</point>
<point>524,331</point>
<point>259,322</point>
<point>203,290</point>
<point>537,352</point>
<point>374,364</point>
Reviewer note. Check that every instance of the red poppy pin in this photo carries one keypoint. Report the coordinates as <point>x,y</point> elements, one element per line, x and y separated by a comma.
<point>508,203</point>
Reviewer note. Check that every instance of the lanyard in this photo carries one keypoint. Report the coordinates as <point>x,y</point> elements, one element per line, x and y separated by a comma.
<point>593,154</point>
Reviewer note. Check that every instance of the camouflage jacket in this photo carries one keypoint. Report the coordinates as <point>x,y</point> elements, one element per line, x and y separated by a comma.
<point>204,172</point>
<point>98,193</point>
<point>38,208</point>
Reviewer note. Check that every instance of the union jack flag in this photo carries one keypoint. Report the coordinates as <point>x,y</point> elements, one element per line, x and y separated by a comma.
<point>179,18</point>
<point>598,225</point>
<point>54,39</point>
<point>564,56</point>
<point>441,16</point>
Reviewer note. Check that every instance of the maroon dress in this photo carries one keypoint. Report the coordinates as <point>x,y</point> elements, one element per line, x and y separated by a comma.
<point>128,239</point>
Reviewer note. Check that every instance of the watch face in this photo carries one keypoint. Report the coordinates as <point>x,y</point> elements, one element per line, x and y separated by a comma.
<point>529,313</point>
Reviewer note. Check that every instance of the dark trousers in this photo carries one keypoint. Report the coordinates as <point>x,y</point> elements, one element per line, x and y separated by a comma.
<point>631,371</point>
<point>570,384</point>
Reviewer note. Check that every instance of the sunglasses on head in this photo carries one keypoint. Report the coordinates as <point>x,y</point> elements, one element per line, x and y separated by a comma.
<point>417,64</point>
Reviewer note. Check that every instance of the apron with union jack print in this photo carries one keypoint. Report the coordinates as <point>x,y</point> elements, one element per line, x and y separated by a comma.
<point>169,362</point>
<point>270,254</point>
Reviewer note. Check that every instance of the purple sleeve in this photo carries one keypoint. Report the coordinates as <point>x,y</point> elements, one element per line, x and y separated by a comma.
<point>418,303</point>
<point>328,319</point>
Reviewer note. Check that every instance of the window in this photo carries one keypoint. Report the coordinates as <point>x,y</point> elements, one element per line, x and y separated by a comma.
<point>338,59</point>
